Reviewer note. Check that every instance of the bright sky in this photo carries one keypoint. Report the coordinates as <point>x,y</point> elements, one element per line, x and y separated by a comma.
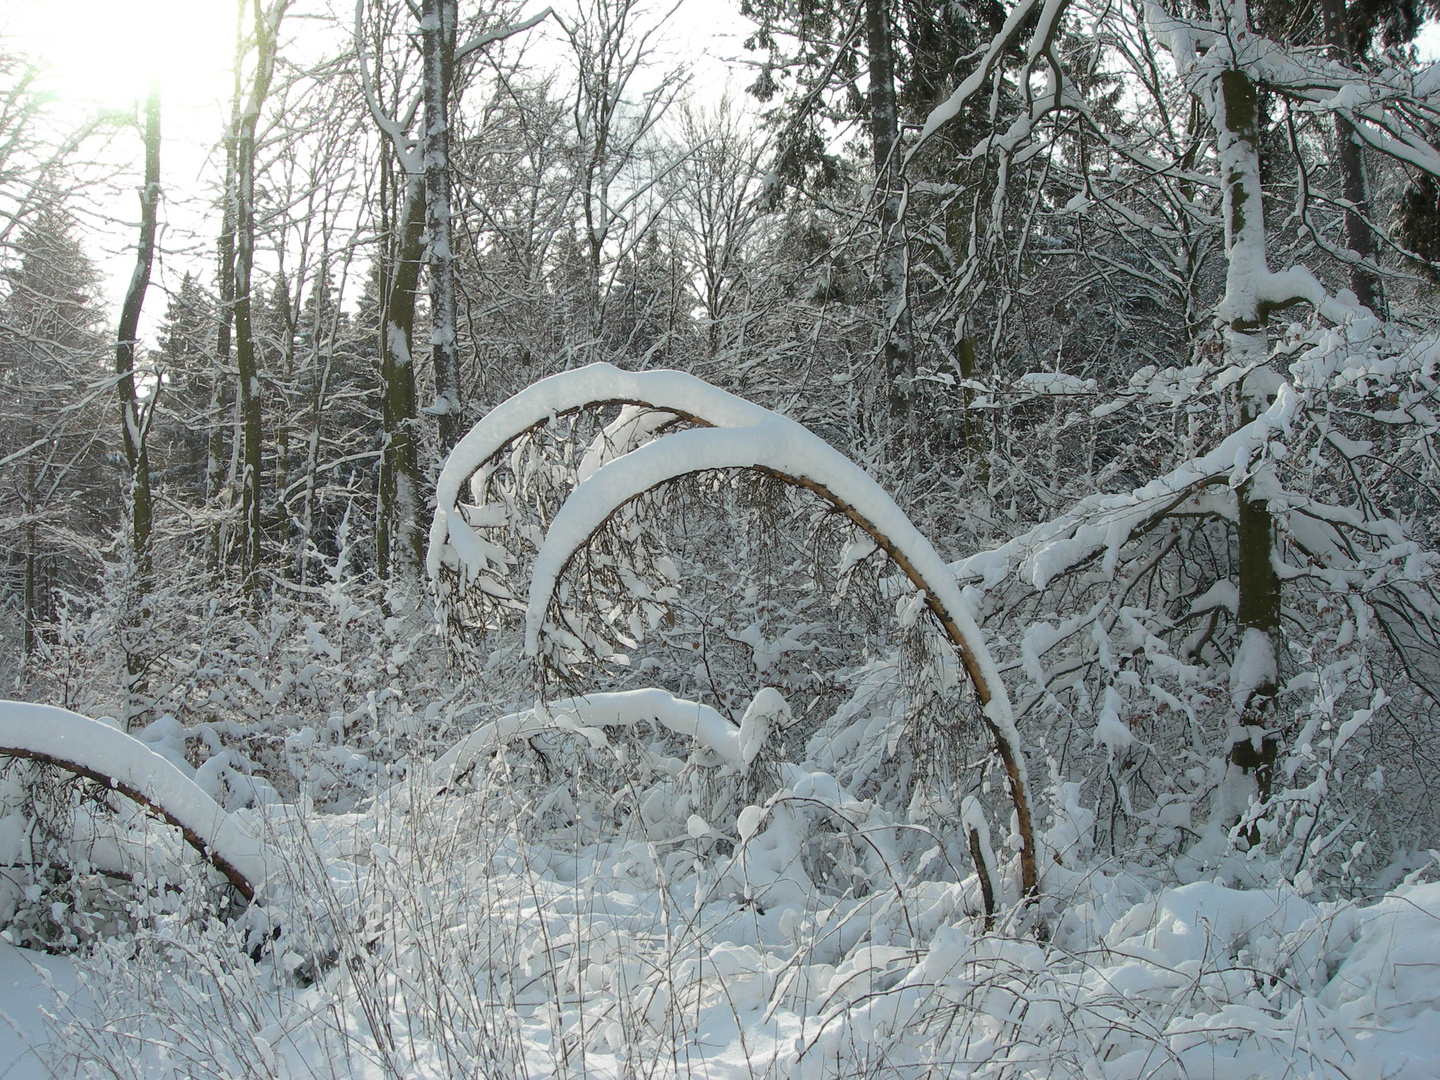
<point>106,51</point>
<point>100,55</point>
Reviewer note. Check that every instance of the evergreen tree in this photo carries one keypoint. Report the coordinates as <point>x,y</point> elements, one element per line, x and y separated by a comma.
<point>180,440</point>
<point>60,496</point>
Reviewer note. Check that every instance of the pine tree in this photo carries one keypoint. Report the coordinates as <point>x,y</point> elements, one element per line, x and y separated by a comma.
<point>60,497</point>
<point>181,436</point>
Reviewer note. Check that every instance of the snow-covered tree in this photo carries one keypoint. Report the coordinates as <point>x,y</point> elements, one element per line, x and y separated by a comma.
<point>1273,551</point>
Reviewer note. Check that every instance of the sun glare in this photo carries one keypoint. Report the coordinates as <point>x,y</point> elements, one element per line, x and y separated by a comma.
<point>105,52</point>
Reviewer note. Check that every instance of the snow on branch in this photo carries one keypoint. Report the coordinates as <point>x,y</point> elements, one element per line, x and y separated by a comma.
<point>748,437</point>
<point>1105,523</point>
<point>1048,22</point>
<point>586,714</point>
<point>790,452</point>
<point>124,764</point>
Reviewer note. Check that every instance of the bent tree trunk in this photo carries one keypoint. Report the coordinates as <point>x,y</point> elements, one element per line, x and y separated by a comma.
<point>745,436</point>
<point>124,764</point>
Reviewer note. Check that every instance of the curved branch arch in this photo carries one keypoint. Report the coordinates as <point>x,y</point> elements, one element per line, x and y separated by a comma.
<point>749,437</point>
<point>790,453</point>
<point>124,764</point>
<point>590,387</point>
<point>695,400</point>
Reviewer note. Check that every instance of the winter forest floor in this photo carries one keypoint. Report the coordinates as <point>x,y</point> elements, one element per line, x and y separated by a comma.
<point>478,933</point>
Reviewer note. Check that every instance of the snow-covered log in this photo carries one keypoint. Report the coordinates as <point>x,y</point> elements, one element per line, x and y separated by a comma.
<point>124,764</point>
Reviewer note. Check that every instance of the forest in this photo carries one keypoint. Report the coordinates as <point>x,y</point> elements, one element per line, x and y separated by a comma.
<point>925,563</point>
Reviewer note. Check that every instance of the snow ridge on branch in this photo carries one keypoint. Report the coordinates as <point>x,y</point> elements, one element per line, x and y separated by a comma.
<point>108,755</point>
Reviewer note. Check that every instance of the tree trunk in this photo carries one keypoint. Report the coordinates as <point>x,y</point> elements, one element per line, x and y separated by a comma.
<point>247,368</point>
<point>398,536</point>
<point>897,346</point>
<point>1353,188</point>
<point>1255,672</point>
<point>215,474</point>
<point>133,418</point>
<point>32,600</point>
<point>437,27</point>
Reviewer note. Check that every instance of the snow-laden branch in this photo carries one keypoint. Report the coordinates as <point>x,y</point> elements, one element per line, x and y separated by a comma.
<point>1105,523</point>
<point>787,451</point>
<point>588,387</point>
<point>499,33</point>
<point>731,746</point>
<point>397,130</point>
<point>791,452</point>
<point>749,437</point>
<point>126,765</point>
<point>1036,48</point>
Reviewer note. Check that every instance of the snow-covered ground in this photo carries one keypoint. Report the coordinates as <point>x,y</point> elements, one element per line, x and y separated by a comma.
<point>28,984</point>
<point>437,940</point>
<point>582,891</point>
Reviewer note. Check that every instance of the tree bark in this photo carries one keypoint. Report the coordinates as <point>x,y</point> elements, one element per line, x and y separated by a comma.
<point>437,26</point>
<point>219,398</point>
<point>266,26</point>
<point>133,419</point>
<point>32,597</point>
<point>398,538</point>
<point>1353,188</point>
<point>897,347</point>
<point>1254,674</point>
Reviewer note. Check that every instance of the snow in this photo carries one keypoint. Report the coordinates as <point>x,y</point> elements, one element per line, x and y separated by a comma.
<point>28,984</point>
<point>596,384</point>
<point>62,736</point>
<point>658,945</point>
<point>1054,383</point>
<point>1254,666</point>
<point>626,708</point>
<point>743,436</point>
<point>1103,523</point>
